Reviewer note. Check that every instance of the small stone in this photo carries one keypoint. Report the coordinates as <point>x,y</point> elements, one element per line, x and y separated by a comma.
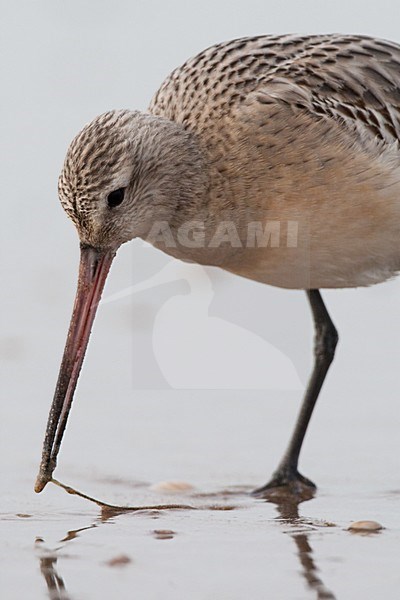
<point>119,561</point>
<point>163,534</point>
<point>365,526</point>
<point>172,487</point>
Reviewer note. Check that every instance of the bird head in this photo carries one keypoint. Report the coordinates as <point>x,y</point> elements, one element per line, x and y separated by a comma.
<point>123,172</point>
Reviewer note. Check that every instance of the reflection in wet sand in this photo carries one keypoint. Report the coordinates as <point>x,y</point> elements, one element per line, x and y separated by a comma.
<point>293,524</point>
<point>74,533</point>
<point>289,514</point>
<point>48,563</point>
<point>55,583</point>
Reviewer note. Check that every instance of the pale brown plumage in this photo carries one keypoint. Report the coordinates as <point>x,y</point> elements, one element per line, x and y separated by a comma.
<point>353,79</point>
<point>288,130</point>
<point>301,129</point>
<point>278,128</point>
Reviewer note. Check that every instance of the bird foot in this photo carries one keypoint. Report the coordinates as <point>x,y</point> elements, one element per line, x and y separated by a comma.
<point>287,484</point>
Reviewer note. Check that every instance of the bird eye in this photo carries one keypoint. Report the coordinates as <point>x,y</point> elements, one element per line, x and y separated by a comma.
<point>115,198</point>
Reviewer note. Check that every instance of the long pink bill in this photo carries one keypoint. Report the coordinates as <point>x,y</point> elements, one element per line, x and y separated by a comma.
<point>93,270</point>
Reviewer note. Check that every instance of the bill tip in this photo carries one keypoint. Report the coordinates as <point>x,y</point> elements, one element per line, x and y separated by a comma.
<point>40,483</point>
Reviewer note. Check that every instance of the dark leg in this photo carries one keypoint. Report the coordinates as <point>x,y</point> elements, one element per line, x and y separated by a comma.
<point>287,476</point>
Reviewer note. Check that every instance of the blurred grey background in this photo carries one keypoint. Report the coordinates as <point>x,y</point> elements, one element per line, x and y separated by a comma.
<point>62,63</point>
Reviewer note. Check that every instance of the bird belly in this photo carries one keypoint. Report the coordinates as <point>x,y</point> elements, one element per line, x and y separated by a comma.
<point>305,273</point>
<point>347,238</point>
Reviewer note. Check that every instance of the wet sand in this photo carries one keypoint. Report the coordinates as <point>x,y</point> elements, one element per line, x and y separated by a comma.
<point>215,541</point>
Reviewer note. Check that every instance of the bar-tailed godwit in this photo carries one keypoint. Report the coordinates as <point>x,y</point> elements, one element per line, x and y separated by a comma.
<point>249,139</point>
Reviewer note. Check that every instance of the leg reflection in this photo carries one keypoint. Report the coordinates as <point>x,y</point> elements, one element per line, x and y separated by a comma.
<point>289,514</point>
<point>55,583</point>
<point>48,566</point>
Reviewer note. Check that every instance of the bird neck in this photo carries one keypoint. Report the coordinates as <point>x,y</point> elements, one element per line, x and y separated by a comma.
<point>199,197</point>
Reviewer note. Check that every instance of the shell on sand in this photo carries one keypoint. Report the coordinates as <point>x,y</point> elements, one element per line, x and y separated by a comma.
<point>172,487</point>
<point>365,526</point>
